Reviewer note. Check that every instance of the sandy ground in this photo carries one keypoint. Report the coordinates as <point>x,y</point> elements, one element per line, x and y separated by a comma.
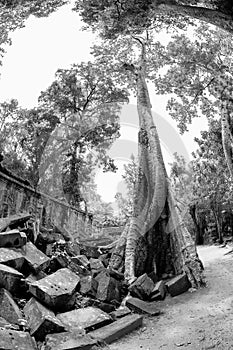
<point>194,321</point>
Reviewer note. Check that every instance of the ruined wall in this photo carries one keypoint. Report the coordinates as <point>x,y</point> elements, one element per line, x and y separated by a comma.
<point>17,197</point>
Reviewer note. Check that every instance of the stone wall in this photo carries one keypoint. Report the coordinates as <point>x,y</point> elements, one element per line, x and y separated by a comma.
<point>16,196</point>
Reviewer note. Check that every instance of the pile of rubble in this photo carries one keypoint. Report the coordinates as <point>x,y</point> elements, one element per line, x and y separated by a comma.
<point>57,294</point>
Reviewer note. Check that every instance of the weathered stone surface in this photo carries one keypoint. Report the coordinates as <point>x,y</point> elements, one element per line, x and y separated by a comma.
<point>142,287</point>
<point>56,290</point>
<point>4,322</point>
<point>12,340</point>
<point>70,341</point>
<point>88,318</point>
<point>15,257</point>
<point>10,278</point>
<point>8,308</point>
<point>143,307</point>
<point>178,285</point>
<point>107,287</point>
<point>120,312</point>
<point>159,291</point>
<point>117,329</point>
<point>13,219</point>
<point>35,277</point>
<point>96,266</point>
<point>81,260</point>
<point>88,286</point>
<point>12,258</point>
<point>106,307</point>
<point>13,238</point>
<point>41,320</point>
<point>116,274</point>
<point>34,257</point>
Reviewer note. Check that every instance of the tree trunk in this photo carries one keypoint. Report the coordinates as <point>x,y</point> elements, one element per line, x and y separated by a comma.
<point>227,137</point>
<point>197,225</point>
<point>155,238</point>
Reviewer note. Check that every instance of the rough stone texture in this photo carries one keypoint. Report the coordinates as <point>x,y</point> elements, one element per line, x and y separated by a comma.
<point>81,260</point>
<point>142,287</point>
<point>4,322</point>
<point>13,238</point>
<point>120,312</point>
<point>70,341</point>
<point>107,287</point>
<point>117,329</point>
<point>88,318</point>
<point>35,277</point>
<point>106,307</point>
<point>88,286</point>
<point>116,274</point>
<point>12,340</point>
<point>96,266</point>
<point>10,278</point>
<point>8,308</point>
<point>178,285</point>
<point>56,290</point>
<point>12,258</point>
<point>13,219</point>
<point>159,291</point>
<point>34,257</point>
<point>143,307</point>
<point>41,320</point>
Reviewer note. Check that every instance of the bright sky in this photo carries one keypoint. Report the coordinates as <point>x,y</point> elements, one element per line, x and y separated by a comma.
<point>46,44</point>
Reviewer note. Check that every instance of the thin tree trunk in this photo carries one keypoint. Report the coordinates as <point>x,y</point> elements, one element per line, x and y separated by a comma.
<point>156,232</point>
<point>226,138</point>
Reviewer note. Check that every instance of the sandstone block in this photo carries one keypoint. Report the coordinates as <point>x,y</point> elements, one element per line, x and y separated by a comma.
<point>107,287</point>
<point>159,291</point>
<point>142,287</point>
<point>13,238</point>
<point>12,340</point>
<point>41,320</point>
<point>12,257</point>
<point>96,266</point>
<point>10,278</point>
<point>120,312</point>
<point>143,307</point>
<point>88,286</point>
<point>88,318</point>
<point>81,260</point>
<point>117,329</point>
<point>70,341</point>
<point>8,307</point>
<point>57,290</point>
<point>178,285</point>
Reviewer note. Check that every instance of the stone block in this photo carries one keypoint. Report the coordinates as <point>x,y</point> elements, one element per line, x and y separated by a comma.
<point>88,318</point>
<point>41,320</point>
<point>12,258</point>
<point>13,238</point>
<point>108,287</point>
<point>8,307</point>
<point>120,312</point>
<point>116,274</point>
<point>10,278</point>
<point>12,220</point>
<point>81,260</point>
<point>159,291</point>
<point>178,285</point>
<point>117,329</point>
<point>96,266</point>
<point>143,307</point>
<point>142,287</point>
<point>57,290</point>
<point>36,260</point>
<point>12,340</point>
<point>4,323</point>
<point>70,341</point>
<point>88,286</point>
<point>106,307</point>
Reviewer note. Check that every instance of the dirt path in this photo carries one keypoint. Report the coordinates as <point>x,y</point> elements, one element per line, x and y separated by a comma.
<point>194,321</point>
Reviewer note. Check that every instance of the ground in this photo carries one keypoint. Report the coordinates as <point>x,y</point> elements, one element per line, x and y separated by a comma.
<point>194,321</point>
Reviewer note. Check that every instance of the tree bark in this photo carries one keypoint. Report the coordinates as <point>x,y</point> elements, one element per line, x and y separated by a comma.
<point>155,238</point>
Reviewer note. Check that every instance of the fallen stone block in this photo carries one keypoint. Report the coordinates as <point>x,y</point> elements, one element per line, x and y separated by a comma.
<point>12,258</point>
<point>159,291</point>
<point>35,277</point>
<point>106,307</point>
<point>81,260</point>
<point>13,238</point>
<point>8,307</point>
<point>96,266</point>
<point>13,220</point>
<point>36,260</point>
<point>41,320</point>
<point>116,274</point>
<point>10,278</point>
<point>178,285</point>
<point>143,307</point>
<point>12,340</point>
<point>88,318</point>
<point>88,286</point>
<point>4,323</point>
<point>56,290</point>
<point>142,287</point>
<point>120,312</point>
<point>117,329</point>
<point>108,287</point>
<point>70,341</point>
